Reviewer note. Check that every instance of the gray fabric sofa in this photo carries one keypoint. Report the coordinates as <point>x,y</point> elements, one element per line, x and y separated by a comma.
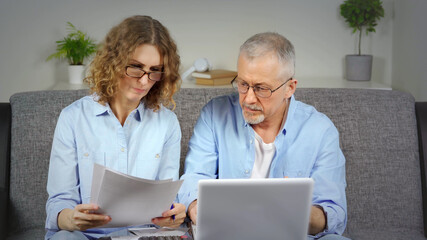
<point>379,136</point>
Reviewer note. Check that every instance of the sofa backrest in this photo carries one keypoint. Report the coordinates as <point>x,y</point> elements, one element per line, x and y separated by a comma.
<point>378,136</point>
<point>34,117</point>
<point>189,102</point>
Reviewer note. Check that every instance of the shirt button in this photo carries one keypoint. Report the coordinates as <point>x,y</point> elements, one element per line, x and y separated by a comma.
<point>86,154</point>
<point>122,149</point>
<point>157,156</point>
<point>251,141</point>
<point>299,174</point>
<point>246,171</point>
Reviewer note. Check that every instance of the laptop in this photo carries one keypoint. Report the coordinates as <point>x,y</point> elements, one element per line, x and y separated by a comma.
<point>246,209</point>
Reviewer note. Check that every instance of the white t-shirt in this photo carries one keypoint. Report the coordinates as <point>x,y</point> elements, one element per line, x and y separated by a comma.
<point>264,153</point>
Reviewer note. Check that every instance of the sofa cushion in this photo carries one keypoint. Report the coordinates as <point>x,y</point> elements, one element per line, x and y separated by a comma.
<point>387,234</point>
<point>35,233</point>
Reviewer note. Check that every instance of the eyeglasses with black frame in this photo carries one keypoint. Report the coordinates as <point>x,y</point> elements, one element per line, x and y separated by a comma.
<point>137,72</point>
<point>260,91</point>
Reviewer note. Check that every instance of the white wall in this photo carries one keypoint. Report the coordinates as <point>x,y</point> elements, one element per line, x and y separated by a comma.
<point>410,48</point>
<point>202,28</point>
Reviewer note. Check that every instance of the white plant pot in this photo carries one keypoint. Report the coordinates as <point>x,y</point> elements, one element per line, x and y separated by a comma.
<point>75,74</point>
<point>358,67</point>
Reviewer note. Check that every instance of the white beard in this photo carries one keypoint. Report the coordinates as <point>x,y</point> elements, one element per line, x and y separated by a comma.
<point>253,119</point>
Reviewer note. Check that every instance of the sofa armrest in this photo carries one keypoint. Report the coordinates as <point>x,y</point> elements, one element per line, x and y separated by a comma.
<point>5,125</point>
<point>421,113</point>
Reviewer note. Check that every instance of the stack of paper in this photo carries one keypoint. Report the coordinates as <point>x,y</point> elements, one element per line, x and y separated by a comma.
<point>128,200</point>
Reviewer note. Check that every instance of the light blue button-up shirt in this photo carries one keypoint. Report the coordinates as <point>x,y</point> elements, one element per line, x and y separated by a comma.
<point>307,146</point>
<point>146,146</point>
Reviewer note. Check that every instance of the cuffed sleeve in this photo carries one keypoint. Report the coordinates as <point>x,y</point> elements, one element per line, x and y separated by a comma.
<point>52,214</point>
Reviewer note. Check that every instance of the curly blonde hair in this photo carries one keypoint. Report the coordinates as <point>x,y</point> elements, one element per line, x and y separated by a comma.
<point>113,56</point>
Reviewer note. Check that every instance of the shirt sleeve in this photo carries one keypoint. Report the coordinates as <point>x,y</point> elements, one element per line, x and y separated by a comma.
<point>62,184</point>
<point>202,157</point>
<point>171,153</point>
<point>329,176</point>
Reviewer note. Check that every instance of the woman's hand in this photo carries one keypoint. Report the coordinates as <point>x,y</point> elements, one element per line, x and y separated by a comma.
<point>167,219</point>
<point>81,218</point>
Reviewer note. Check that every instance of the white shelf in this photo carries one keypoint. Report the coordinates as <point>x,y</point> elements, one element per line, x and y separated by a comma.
<point>302,83</point>
<point>192,84</point>
<point>340,83</point>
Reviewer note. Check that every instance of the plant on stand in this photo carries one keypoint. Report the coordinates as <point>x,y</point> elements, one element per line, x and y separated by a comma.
<point>75,47</point>
<point>361,15</point>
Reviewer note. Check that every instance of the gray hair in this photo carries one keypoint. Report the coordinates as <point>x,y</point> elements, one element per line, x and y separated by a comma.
<point>267,42</point>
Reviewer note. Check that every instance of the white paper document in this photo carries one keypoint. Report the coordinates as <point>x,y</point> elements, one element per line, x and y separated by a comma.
<point>128,200</point>
<point>164,232</point>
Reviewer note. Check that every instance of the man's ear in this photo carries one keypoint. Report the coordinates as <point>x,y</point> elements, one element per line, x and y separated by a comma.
<point>292,86</point>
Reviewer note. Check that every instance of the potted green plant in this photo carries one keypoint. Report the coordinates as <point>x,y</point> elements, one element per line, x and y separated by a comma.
<point>76,47</point>
<point>361,15</point>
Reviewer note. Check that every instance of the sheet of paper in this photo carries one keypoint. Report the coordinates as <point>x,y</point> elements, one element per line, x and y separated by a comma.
<point>126,238</point>
<point>129,200</point>
<point>97,176</point>
<point>148,232</point>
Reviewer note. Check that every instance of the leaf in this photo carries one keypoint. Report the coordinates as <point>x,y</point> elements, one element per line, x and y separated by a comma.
<point>362,13</point>
<point>75,47</point>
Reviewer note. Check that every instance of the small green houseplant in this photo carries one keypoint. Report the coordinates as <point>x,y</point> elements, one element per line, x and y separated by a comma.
<point>361,15</point>
<point>75,47</point>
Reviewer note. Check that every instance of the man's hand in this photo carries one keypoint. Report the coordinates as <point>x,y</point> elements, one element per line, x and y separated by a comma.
<point>192,211</point>
<point>171,218</point>
<point>81,218</point>
<point>317,220</point>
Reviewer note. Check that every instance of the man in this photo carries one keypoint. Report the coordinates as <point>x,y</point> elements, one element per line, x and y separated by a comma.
<point>264,132</point>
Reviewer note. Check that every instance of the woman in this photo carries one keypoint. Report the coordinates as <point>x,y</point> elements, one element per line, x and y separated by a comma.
<point>123,125</point>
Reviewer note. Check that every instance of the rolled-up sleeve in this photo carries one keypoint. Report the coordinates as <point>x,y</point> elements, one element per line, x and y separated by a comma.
<point>329,176</point>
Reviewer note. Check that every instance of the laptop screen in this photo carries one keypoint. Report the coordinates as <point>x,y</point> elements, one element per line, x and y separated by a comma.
<point>254,208</point>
